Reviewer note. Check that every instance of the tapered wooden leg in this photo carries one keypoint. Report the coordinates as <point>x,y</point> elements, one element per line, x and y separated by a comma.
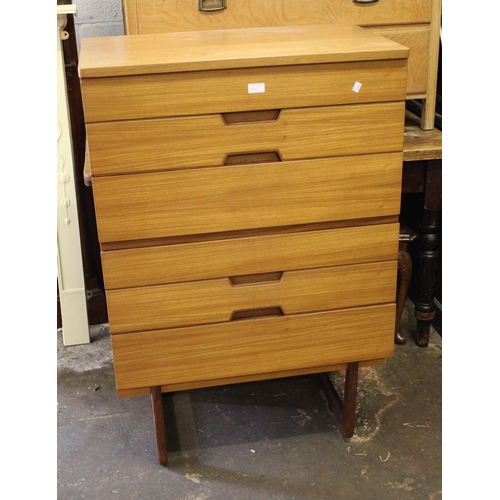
<point>343,411</point>
<point>159,422</point>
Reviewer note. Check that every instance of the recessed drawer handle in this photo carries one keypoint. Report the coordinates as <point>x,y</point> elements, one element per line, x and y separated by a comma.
<point>243,117</point>
<point>252,158</point>
<point>211,5</point>
<point>257,313</point>
<point>253,279</point>
<point>365,1</point>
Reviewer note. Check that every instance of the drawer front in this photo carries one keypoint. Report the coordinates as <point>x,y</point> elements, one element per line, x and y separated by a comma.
<point>252,347</point>
<point>247,256</point>
<point>417,39</point>
<point>208,140</point>
<point>158,16</point>
<point>203,92</point>
<point>225,299</point>
<point>212,200</point>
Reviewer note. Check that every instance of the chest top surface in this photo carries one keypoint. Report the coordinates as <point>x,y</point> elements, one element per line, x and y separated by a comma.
<point>231,49</point>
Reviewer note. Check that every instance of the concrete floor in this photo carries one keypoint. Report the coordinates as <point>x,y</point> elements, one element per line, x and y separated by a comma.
<point>265,440</point>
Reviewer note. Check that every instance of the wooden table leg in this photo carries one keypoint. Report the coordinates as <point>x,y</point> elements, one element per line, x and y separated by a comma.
<point>425,309</point>
<point>344,411</point>
<point>426,177</point>
<point>159,423</point>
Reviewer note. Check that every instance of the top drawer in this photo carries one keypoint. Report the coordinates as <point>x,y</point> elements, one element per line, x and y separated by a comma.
<point>160,16</point>
<point>175,74</point>
<point>247,89</point>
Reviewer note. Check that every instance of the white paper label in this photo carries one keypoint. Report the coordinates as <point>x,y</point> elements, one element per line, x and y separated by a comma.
<point>256,88</point>
<point>356,87</point>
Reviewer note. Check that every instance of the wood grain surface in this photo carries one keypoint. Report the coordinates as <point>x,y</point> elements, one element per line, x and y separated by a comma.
<point>199,201</point>
<point>251,347</point>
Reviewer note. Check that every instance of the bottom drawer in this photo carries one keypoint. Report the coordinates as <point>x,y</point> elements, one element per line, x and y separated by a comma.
<point>252,347</point>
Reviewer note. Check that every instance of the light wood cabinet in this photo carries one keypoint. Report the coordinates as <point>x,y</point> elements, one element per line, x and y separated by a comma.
<point>247,215</point>
<point>413,23</point>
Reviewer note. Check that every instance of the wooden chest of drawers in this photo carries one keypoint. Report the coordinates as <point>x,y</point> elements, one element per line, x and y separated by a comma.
<point>247,190</point>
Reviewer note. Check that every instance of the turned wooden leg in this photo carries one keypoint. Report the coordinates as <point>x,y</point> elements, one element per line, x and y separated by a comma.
<point>427,276</point>
<point>343,411</point>
<point>159,423</point>
<point>429,252</point>
<point>404,279</point>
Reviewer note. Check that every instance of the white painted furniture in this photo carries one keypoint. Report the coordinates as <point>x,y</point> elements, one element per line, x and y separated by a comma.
<point>72,293</point>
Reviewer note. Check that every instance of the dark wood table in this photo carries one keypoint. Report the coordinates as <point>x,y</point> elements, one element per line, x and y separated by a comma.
<point>422,173</point>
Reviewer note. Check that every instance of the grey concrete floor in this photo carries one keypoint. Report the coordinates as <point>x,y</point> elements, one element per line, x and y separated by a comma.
<point>264,440</point>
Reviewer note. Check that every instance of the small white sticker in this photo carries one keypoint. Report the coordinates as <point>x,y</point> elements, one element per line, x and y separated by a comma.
<point>256,88</point>
<point>356,87</point>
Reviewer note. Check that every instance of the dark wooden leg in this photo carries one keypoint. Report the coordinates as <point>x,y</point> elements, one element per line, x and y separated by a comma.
<point>159,422</point>
<point>429,251</point>
<point>404,278</point>
<point>344,412</point>
<point>427,276</point>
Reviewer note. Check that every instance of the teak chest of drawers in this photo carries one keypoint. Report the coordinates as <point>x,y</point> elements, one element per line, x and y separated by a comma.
<point>247,189</point>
